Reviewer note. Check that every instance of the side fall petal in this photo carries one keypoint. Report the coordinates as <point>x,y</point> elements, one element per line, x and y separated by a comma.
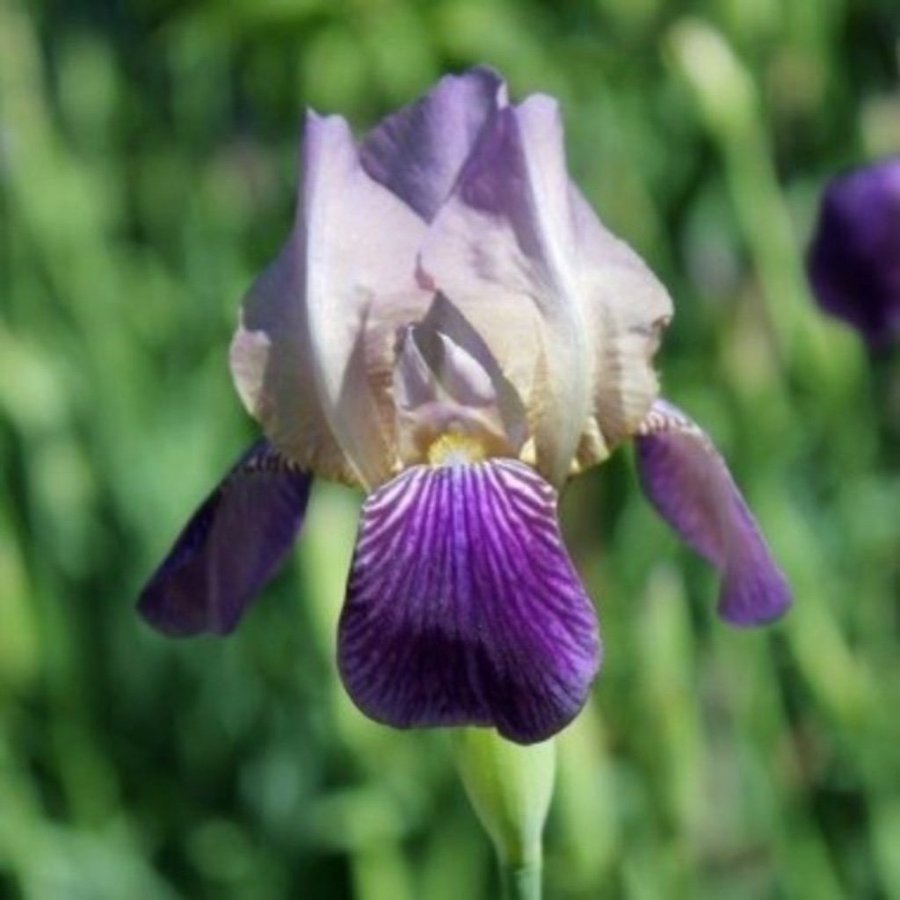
<point>463,607</point>
<point>231,547</point>
<point>688,482</point>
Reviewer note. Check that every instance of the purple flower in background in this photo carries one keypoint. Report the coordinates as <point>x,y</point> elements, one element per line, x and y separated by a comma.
<point>450,327</point>
<point>854,258</point>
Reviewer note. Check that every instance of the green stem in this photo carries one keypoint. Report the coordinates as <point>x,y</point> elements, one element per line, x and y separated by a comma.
<point>521,882</point>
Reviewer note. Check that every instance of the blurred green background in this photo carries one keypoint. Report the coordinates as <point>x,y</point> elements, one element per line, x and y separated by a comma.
<point>147,170</point>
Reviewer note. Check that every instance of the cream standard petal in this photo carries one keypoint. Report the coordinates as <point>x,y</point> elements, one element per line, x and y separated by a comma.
<point>502,250</point>
<point>301,358</point>
<point>362,243</point>
<point>271,364</point>
<point>626,309</point>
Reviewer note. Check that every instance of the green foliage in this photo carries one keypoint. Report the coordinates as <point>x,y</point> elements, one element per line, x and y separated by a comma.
<point>146,172</point>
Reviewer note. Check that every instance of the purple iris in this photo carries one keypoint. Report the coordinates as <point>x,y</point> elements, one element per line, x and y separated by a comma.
<point>854,258</point>
<point>451,328</point>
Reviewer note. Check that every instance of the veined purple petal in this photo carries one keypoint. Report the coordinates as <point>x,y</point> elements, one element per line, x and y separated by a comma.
<point>854,258</point>
<point>463,607</point>
<point>419,151</point>
<point>688,482</point>
<point>230,548</point>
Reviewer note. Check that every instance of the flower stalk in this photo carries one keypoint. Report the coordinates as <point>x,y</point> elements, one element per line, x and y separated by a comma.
<point>521,882</point>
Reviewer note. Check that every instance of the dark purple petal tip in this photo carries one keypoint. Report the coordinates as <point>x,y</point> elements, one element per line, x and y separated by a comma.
<point>463,607</point>
<point>686,479</point>
<point>854,258</point>
<point>232,545</point>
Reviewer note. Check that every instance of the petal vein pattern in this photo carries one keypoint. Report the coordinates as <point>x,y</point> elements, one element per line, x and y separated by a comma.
<point>463,606</point>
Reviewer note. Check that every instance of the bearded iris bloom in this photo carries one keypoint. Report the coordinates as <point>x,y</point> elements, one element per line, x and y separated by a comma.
<point>854,257</point>
<point>451,328</point>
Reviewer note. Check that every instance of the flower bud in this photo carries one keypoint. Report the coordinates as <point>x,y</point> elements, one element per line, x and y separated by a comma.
<point>510,787</point>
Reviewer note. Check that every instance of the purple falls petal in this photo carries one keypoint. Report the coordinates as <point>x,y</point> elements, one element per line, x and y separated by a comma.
<point>463,607</point>
<point>230,548</point>
<point>854,258</point>
<point>688,482</point>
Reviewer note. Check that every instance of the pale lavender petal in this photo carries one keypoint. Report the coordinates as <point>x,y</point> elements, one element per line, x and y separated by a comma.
<point>688,482</point>
<point>305,356</point>
<point>419,151</point>
<point>230,548</point>
<point>463,607</point>
<point>272,365</point>
<point>502,248</point>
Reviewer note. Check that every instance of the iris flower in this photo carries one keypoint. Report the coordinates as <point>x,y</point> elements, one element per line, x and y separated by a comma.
<point>854,258</point>
<point>451,328</point>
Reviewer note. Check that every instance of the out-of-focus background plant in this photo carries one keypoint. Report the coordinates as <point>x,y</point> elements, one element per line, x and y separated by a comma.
<point>147,171</point>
